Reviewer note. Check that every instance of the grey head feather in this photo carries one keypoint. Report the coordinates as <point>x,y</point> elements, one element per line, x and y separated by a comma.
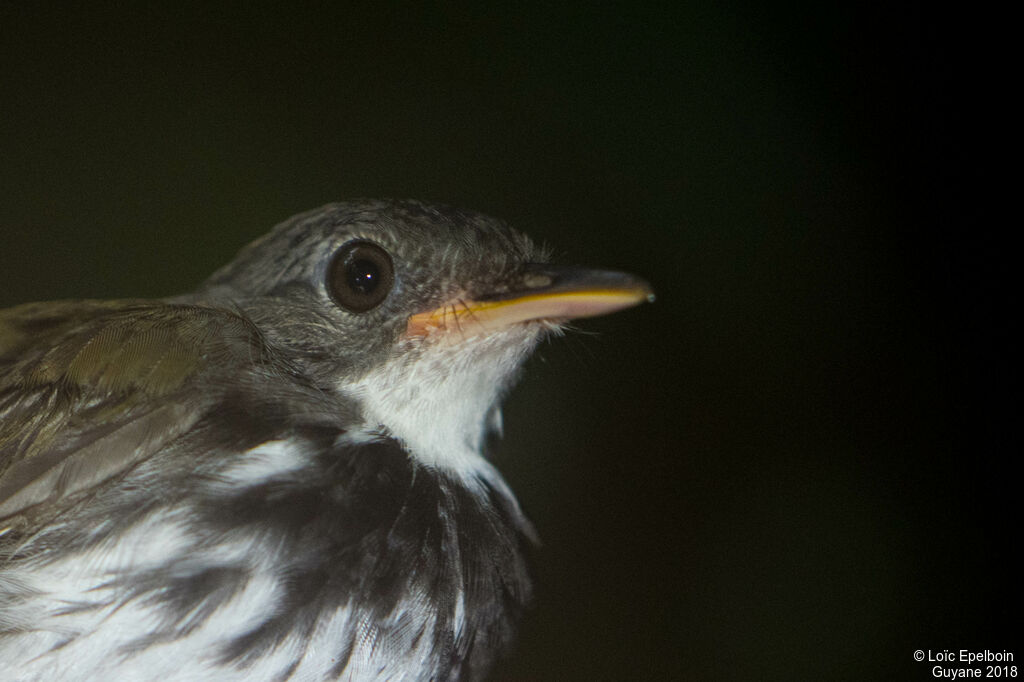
<point>439,253</point>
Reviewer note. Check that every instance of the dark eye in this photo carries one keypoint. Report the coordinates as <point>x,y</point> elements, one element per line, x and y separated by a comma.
<point>360,276</point>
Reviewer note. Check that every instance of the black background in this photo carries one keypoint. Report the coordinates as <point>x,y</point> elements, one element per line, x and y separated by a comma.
<point>794,463</point>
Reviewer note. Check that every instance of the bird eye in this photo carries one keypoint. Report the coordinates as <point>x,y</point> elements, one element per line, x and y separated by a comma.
<point>360,276</point>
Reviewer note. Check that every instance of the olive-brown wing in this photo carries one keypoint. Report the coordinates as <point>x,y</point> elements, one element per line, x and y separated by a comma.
<point>90,388</point>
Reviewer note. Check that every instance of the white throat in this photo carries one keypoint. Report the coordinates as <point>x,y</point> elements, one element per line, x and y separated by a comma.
<point>439,401</point>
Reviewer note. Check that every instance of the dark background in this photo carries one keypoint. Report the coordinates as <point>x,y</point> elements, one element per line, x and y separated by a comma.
<point>790,466</point>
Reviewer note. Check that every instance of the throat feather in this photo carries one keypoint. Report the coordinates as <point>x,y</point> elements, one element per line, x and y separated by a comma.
<point>439,399</point>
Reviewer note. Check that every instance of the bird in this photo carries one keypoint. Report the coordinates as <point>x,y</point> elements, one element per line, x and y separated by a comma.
<point>283,474</point>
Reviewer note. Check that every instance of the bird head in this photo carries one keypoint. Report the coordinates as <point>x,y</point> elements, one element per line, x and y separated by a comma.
<point>419,315</point>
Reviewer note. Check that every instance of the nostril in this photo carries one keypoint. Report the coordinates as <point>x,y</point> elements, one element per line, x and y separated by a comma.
<point>537,280</point>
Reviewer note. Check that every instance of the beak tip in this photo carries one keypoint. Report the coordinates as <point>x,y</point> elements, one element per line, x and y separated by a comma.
<point>644,291</point>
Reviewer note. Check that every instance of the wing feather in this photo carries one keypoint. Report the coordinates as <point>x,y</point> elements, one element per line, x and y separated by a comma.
<point>90,388</point>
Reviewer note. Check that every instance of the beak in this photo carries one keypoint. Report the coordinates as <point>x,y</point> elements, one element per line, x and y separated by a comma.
<point>542,292</point>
